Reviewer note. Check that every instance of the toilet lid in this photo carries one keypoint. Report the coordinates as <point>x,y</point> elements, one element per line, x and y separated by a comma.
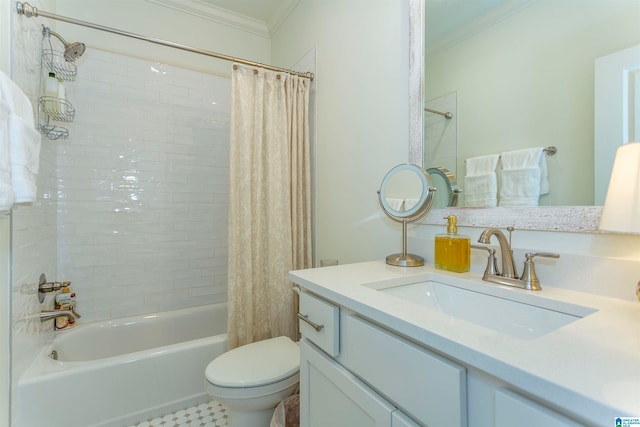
<point>255,364</point>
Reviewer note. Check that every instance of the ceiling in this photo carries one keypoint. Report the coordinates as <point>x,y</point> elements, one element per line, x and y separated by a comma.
<point>445,21</point>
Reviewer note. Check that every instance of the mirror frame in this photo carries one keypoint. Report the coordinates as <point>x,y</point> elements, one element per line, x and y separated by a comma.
<point>583,219</point>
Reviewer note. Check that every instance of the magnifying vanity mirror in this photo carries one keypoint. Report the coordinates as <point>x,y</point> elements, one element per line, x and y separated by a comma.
<point>448,194</point>
<point>406,195</point>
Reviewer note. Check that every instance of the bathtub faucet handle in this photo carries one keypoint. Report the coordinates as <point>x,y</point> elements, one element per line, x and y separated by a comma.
<point>52,314</point>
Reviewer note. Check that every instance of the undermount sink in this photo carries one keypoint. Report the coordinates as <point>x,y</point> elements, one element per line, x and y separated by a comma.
<point>529,318</point>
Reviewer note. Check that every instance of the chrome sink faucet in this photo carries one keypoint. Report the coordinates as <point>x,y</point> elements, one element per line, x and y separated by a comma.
<point>52,314</point>
<point>509,276</point>
<point>508,265</point>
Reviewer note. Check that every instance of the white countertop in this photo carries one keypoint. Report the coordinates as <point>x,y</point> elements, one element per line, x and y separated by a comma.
<point>589,368</point>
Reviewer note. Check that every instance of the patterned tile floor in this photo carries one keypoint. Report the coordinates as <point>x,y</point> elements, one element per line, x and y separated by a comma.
<point>211,414</point>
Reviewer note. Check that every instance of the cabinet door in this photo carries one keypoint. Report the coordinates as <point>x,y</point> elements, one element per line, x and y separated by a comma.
<point>331,396</point>
<point>514,410</point>
<point>428,387</point>
<point>398,419</point>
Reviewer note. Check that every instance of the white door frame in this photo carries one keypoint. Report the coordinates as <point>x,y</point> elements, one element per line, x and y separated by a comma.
<point>611,109</point>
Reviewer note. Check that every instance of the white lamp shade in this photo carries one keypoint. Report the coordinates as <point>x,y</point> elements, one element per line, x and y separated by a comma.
<point>621,211</point>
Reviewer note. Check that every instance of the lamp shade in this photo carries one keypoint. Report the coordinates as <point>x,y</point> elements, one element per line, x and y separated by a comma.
<point>621,211</point>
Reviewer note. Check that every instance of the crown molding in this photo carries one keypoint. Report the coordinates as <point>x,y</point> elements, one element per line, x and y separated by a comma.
<point>478,25</point>
<point>218,15</point>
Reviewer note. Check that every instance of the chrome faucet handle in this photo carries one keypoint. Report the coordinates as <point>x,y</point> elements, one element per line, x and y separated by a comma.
<point>492,263</point>
<point>52,314</point>
<point>529,276</point>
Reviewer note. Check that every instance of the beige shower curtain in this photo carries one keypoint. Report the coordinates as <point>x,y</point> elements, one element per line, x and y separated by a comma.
<point>270,203</point>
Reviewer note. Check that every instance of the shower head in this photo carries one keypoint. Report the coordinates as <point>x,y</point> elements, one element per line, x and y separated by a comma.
<point>72,51</point>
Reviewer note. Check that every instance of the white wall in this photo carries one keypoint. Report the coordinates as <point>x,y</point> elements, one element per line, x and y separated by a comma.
<point>362,116</point>
<point>153,20</point>
<point>528,81</point>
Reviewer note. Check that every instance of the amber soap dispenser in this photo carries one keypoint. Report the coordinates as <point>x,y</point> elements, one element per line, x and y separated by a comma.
<point>452,251</point>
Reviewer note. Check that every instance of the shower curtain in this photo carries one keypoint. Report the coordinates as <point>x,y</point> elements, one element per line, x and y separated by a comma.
<point>270,203</point>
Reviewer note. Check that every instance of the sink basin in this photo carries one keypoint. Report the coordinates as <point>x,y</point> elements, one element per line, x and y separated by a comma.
<point>529,318</point>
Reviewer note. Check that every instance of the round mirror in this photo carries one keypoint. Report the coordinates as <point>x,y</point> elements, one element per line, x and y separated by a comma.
<point>406,195</point>
<point>445,182</point>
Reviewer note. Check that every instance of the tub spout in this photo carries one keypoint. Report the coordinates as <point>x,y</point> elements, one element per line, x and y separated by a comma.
<point>52,314</point>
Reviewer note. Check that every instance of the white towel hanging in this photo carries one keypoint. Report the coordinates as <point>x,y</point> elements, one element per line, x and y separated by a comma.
<point>480,181</point>
<point>6,190</point>
<point>523,177</point>
<point>22,144</point>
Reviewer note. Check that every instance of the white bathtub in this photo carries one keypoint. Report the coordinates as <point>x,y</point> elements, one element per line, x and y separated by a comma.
<point>119,372</point>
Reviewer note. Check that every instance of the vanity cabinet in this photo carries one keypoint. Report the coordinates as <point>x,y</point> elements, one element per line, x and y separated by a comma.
<point>357,373</point>
<point>332,396</point>
<point>512,409</point>
<point>431,365</point>
<point>372,377</point>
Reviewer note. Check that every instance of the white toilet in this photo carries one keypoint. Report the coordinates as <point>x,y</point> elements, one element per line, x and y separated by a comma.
<point>252,379</point>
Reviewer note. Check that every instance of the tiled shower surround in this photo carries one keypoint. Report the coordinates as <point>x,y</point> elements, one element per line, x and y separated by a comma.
<point>143,187</point>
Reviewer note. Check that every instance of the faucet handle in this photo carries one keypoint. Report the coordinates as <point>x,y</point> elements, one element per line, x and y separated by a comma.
<point>529,275</point>
<point>492,263</point>
<point>530,256</point>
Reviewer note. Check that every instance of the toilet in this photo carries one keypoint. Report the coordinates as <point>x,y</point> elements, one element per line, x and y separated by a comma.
<point>252,379</point>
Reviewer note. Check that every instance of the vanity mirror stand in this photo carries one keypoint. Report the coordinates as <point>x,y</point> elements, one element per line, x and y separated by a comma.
<point>406,195</point>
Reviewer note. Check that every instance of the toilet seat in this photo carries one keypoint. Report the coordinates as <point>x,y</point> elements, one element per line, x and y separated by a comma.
<point>256,364</point>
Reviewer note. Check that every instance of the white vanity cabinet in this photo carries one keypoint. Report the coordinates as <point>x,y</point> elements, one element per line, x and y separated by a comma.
<point>512,409</point>
<point>399,361</point>
<point>373,377</point>
<point>332,396</point>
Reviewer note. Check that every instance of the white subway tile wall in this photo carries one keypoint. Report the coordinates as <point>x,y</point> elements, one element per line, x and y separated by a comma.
<point>33,246</point>
<point>143,187</point>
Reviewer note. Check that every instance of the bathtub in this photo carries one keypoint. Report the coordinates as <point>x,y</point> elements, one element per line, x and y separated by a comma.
<point>119,372</point>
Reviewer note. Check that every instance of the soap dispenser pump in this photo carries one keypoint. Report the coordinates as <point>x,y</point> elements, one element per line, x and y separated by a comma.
<point>452,251</point>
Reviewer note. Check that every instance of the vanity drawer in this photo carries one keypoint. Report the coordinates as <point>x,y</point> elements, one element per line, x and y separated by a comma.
<point>319,323</point>
<point>423,384</point>
<point>515,410</point>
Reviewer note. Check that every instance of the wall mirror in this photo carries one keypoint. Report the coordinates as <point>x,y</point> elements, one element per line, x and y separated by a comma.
<point>540,94</point>
<point>406,195</point>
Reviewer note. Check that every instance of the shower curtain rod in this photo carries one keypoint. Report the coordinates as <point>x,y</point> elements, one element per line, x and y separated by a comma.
<point>29,11</point>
